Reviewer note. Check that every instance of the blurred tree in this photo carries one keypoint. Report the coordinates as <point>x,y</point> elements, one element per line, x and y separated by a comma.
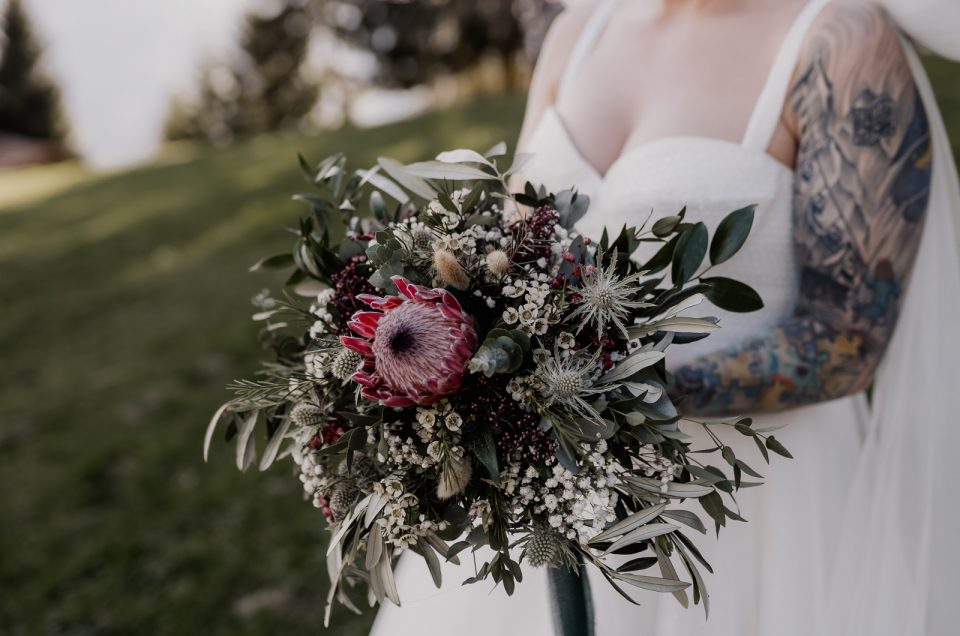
<point>273,89</point>
<point>29,100</point>
<point>213,114</point>
<point>265,87</point>
<point>417,40</point>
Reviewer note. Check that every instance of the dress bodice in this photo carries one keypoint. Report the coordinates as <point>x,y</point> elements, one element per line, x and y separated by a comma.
<point>711,177</point>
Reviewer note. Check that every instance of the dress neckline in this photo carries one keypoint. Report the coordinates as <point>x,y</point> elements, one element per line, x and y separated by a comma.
<point>561,126</point>
<point>763,119</point>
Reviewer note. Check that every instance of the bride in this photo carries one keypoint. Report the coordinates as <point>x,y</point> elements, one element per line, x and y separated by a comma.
<point>818,113</point>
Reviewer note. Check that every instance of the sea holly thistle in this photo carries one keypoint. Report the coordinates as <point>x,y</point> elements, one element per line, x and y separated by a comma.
<point>472,372</point>
<point>605,298</point>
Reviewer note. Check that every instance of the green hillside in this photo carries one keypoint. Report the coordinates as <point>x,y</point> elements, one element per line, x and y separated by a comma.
<point>124,315</point>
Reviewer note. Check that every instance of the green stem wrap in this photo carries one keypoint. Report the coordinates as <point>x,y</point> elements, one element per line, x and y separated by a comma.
<point>570,601</point>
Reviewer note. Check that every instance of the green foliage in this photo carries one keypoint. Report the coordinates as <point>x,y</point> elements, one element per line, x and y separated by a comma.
<point>690,249</point>
<point>263,89</point>
<point>731,234</point>
<point>416,42</point>
<point>29,99</point>
<point>732,295</point>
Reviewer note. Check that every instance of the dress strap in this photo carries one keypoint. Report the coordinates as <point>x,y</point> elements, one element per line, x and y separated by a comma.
<point>588,37</point>
<point>769,106</point>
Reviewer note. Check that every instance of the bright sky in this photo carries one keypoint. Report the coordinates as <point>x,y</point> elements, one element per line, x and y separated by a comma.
<point>119,61</point>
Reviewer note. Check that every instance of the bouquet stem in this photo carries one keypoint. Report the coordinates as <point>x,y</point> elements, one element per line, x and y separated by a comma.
<point>570,601</point>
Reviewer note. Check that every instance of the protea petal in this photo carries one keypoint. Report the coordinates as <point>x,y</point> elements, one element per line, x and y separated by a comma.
<point>370,318</point>
<point>361,329</point>
<point>405,287</point>
<point>364,379</point>
<point>398,401</point>
<point>359,345</point>
<point>417,345</point>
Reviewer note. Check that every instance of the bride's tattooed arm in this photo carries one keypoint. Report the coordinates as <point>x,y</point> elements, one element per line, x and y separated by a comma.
<point>862,183</point>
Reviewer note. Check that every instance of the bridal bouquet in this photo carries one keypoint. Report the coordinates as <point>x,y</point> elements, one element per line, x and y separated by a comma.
<point>473,373</point>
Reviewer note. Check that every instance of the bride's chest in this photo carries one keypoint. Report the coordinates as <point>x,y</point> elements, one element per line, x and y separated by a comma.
<point>635,89</point>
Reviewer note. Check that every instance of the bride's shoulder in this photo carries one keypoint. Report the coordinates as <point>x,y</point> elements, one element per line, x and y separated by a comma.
<point>853,27</point>
<point>852,56</point>
<point>571,19</point>
<point>853,43</point>
<point>560,40</point>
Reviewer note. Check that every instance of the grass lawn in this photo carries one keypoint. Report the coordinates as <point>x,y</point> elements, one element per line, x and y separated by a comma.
<point>123,317</point>
<point>124,312</point>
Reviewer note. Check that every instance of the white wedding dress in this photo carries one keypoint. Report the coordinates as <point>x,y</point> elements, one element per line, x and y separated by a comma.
<point>800,566</point>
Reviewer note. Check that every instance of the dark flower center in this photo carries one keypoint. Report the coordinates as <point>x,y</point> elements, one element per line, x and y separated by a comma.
<point>401,341</point>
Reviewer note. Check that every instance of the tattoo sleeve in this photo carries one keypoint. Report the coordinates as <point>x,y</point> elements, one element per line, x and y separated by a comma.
<point>860,196</point>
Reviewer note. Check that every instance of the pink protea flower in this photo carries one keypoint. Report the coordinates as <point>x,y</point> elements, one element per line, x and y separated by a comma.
<point>416,345</point>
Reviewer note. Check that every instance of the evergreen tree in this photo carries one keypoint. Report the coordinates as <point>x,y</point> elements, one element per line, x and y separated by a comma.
<point>267,89</point>
<point>212,115</point>
<point>29,100</point>
<point>273,90</point>
<point>416,41</point>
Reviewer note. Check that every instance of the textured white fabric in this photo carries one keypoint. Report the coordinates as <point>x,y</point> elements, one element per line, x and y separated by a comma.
<point>898,556</point>
<point>849,539</point>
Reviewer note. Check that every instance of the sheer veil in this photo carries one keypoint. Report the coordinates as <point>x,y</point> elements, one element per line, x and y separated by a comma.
<point>898,558</point>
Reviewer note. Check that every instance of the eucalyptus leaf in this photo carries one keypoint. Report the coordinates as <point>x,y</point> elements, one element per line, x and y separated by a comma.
<point>374,548</point>
<point>447,171</point>
<point>377,503</point>
<point>641,563</point>
<point>384,184</point>
<point>341,528</point>
<point>389,583</point>
<point>683,305</point>
<point>246,445</point>
<point>674,489</point>
<point>498,150</point>
<point>433,563</point>
<point>670,572</point>
<point>662,257</point>
<point>687,518</point>
<point>463,155</point>
<point>689,253</point>
<point>399,173</point>
<point>280,261</point>
<point>665,226</point>
<point>211,427</point>
<point>441,547</point>
<point>731,234</point>
<point>682,324</point>
<point>699,585</point>
<point>732,295</point>
<point>713,505</point>
<point>636,519</point>
<point>643,533</point>
<point>485,449</point>
<point>273,444</point>
<point>652,583</point>
<point>593,430</point>
<point>778,448</point>
<point>635,363</point>
<point>456,549</point>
